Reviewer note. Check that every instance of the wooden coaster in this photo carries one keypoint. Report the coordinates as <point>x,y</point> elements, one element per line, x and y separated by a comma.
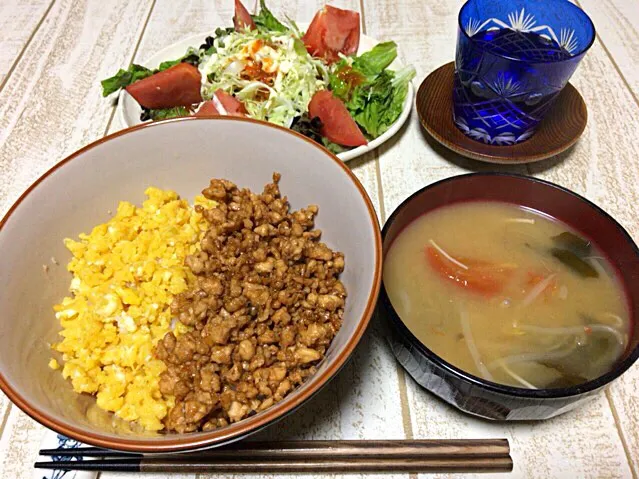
<point>558,131</point>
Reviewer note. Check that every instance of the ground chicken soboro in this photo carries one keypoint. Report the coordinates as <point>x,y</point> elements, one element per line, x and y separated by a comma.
<point>267,304</point>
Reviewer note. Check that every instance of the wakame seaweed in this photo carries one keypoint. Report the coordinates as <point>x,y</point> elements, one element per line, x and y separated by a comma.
<point>574,262</point>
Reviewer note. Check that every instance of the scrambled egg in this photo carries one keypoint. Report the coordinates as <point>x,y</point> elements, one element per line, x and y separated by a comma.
<point>125,274</point>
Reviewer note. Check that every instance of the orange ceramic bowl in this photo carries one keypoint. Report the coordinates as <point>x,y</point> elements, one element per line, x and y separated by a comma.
<point>181,155</point>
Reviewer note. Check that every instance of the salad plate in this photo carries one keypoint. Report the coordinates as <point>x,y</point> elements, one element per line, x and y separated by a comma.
<point>130,111</point>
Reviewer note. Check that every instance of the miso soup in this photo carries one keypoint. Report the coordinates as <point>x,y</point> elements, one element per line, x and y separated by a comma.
<point>508,294</point>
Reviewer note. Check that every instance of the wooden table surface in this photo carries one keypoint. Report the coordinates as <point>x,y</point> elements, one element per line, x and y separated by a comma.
<point>53,54</point>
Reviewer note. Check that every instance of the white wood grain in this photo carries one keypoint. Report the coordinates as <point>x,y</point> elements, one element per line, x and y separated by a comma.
<point>18,20</point>
<point>51,106</point>
<point>19,445</point>
<point>617,25</point>
<point>581,444</point>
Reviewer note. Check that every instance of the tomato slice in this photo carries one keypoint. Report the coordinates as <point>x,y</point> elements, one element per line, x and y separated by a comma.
<point>242,19</point>
<point>337,124</point>
<point>342,30</point>
<point>333,31</point>
<point>230,104</point>
<point>222,104</point>
<point>207,109</point>
<point>313,37</point>
<point>481,277</point>
<point>175,86</point>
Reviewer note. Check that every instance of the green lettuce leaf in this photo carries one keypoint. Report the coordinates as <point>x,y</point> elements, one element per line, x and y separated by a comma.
<point>165,113</point>
<point>369,104</point>
<point>349,74</point>
<point>266,21</point>
<point>373,94</point>
<point>334,147</point>
<point>191,56</point>
<point>376,106</point>
<point>376,60</point>
<point>124,78</point>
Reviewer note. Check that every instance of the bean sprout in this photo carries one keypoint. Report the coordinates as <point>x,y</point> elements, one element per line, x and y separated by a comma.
<point>472,347</point>
<point>448,257</point>
<point>538,289</point>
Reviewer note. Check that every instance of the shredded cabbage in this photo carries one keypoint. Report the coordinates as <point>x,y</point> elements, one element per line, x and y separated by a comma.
<point>288,79</point>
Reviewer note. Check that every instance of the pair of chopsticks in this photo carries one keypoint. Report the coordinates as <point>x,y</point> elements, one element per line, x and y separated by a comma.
<point>459,455</point>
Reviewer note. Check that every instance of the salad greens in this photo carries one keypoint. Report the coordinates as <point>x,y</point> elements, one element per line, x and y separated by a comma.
<point>333,147</point>
<point>373,94</point>
<point>124,78</point>
<point>373,62</point>
<point>191,56</point>
<point>283,88</point>
<point>164,113</point>
<point>307,126</point>
<point>384,101</point>
<point>311,128</point>
<point>265,21</point>
<point>208,48</point>
<point>270,70</point>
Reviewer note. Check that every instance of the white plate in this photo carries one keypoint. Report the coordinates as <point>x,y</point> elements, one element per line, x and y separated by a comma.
<point>129,110</point>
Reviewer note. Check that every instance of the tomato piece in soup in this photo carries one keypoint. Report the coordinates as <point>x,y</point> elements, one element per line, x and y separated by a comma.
<point>478,276</point>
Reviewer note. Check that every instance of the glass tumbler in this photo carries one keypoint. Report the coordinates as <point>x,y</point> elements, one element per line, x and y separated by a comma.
<point>513,59</point>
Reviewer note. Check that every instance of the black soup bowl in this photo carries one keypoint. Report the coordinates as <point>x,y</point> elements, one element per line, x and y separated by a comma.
<point>470,393</point>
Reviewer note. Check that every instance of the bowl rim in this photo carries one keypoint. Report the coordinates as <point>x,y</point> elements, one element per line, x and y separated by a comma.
<point>554,393</point>
<point>238,430</point>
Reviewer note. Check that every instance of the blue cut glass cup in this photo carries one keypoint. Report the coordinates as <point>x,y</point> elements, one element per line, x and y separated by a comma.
<point>513,59</point>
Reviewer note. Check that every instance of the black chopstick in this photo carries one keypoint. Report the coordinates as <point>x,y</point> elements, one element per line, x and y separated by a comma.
<point>343,465</point>
<point>302,457</point>
<point>87,452</point>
